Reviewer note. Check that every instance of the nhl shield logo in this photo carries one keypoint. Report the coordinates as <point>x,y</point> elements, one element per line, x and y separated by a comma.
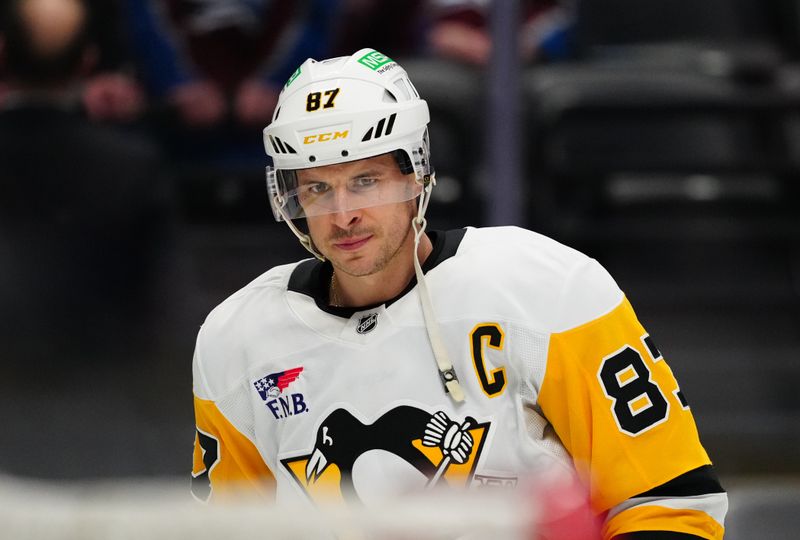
<point>367,323</point>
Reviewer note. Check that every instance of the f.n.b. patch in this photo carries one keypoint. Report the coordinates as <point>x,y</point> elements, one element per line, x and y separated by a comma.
<point>281,404</point>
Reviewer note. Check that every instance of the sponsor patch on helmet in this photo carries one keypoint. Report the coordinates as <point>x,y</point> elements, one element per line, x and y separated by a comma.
<point>292,77</point>
<point>374,60</point>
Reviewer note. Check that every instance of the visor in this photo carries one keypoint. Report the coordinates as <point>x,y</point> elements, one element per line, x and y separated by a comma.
<point>314,195</point>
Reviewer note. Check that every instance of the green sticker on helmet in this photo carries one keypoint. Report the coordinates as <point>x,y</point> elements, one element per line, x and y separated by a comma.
<point>374,60</point>
<point>293,77</point>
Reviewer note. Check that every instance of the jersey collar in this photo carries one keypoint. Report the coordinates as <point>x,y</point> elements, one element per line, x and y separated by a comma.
<point>312,277</point>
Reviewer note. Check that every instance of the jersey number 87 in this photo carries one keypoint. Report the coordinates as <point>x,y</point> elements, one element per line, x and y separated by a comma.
<point>638,404</point>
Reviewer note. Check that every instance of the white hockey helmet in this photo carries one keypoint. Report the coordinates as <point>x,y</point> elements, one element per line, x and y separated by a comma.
<point>340,110</point>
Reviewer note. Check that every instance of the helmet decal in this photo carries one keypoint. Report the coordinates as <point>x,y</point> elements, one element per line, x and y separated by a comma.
<point>375,60</point>
<point>293,76</point>
<point>315,100</point>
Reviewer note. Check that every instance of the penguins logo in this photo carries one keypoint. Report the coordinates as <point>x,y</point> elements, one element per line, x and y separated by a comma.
<point>446,452</point>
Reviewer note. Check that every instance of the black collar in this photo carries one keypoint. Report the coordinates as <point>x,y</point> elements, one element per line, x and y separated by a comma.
<point>313,277</point>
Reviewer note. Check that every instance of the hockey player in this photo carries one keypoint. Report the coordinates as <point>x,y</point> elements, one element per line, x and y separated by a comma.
<point>399,358</point>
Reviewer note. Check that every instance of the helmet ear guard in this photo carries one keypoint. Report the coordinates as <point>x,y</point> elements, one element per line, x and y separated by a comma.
<point>403,162</point>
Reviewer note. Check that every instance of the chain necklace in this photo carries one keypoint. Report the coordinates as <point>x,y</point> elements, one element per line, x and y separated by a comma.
<point>333,292</point>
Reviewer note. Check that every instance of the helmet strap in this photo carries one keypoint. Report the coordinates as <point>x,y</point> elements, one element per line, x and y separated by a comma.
<point>447,372</point>
<point>305,239</point>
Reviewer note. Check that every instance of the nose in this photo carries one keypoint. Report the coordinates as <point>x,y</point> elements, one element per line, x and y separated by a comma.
<point>342,216</point>
<point>344,219</point>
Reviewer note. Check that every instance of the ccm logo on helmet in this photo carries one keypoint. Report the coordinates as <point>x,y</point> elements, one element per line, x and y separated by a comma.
<point>324,137</point>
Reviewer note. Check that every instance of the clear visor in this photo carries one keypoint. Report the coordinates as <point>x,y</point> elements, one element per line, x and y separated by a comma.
<point>315,192</point>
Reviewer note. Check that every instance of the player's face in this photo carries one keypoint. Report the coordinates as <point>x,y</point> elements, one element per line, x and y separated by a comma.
<point>362,241</point>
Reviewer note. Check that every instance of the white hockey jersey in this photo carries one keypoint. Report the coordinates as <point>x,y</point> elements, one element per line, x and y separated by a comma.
<point>302,400</point>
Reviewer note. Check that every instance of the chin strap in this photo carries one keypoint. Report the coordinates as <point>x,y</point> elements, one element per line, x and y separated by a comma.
<point>447,372</point>
<point>305,240</point>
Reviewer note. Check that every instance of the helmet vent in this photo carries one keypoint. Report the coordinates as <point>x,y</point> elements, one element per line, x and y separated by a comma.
<point>388,97</point>
<point>387,123</point>
<point>413,88</point>
<point>379,128</point>
<point>390,126</point>
<point>281,147</point>
<point>403,89</point>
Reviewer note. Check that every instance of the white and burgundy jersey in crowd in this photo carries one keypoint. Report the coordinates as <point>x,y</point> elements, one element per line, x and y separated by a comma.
<point>301,400</point>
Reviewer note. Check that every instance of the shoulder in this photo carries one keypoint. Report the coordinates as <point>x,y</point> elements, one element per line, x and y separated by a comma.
<point>518,244</point>
<point>264,288</point>
<point>563,287</point>
<point>232,326</point>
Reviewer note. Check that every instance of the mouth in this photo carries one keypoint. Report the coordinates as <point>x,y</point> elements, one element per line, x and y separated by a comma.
<point>352,244</point>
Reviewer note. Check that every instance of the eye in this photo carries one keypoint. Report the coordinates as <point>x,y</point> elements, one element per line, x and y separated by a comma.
<point>364,182</point>
<point>317,188</point>
<point>327,440</point>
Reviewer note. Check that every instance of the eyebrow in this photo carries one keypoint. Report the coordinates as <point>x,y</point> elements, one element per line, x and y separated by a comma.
<point>362,174</point>
<point>373,172</point>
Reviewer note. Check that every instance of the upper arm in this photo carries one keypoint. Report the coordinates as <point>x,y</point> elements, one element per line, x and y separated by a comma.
<point>225,456</point>
<point>224,459</point>
<point>616,406</point>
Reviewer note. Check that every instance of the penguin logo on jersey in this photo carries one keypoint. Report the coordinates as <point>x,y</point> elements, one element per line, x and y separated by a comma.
<point>367,323</point>
<point>438,450</point>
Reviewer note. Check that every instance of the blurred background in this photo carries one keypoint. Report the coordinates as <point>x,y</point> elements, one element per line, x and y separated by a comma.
<point>663,139</point>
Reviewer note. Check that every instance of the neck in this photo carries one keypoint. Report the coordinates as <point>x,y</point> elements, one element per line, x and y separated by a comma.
<point>354,291</point>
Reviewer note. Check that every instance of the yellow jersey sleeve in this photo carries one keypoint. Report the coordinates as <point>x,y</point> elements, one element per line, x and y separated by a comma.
<point>224,460</point>
<point>617,408</point>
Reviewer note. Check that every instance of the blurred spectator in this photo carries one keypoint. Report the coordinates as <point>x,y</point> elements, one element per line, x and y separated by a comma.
<point>459,30</point>
<point>81,204</point>
<point>111,91</point>
<point>396,27</point>
<point>219,60</point>
<point>108,91</point>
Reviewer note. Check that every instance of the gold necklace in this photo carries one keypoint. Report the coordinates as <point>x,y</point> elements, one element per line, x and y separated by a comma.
<point>333,296</point>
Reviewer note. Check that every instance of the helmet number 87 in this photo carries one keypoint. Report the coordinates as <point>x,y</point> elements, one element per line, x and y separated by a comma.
<point>314,100</point>
<point>638,403</point>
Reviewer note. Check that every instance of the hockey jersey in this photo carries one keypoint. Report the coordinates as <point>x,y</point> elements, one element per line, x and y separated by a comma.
<point>301,400</point>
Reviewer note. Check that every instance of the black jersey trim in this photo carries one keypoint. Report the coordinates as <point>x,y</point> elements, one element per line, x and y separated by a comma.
<point>700,481</point>
<point>312,277</point>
